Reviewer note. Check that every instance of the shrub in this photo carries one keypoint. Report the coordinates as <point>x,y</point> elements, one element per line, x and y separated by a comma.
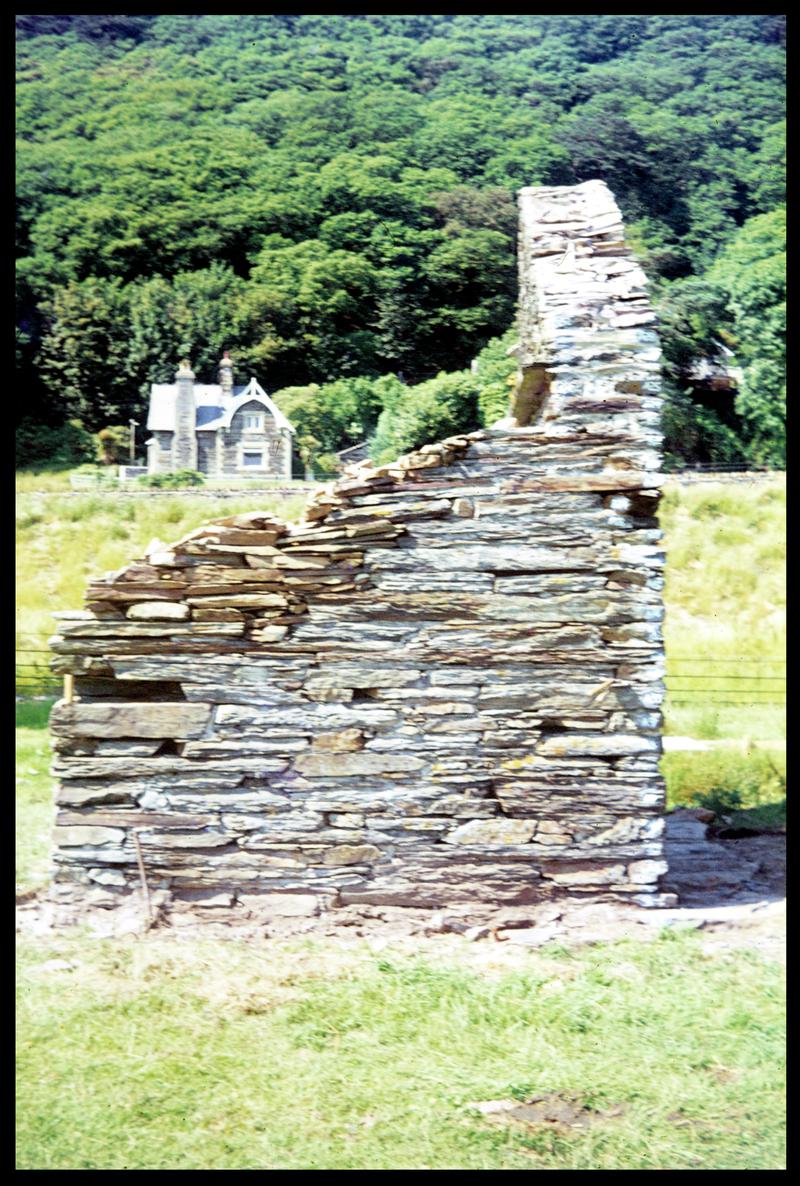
<point>333,415</point>
<point>113,443</point>
<point>437,408</point>
<point>326,465</point>
<point>86,477</point>
<point>495,370</point>
<point>724,780</point>
<point>42,445</point>
<point>456,402</point>
<point>173,481</point>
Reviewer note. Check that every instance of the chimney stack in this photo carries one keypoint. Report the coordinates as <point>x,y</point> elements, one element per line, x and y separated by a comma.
<point>226,375</point>
<point>184,441</point>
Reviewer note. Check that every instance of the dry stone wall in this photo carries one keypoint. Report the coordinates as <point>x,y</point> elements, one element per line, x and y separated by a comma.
<point>443,686</point>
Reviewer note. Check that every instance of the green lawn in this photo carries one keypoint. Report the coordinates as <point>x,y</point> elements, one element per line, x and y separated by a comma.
<point>160,1053</point>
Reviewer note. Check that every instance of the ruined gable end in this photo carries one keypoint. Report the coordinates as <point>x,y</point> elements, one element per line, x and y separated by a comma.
<point>443,686</point>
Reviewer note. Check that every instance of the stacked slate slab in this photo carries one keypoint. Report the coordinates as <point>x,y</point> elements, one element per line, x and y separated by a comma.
<point>443,686</point>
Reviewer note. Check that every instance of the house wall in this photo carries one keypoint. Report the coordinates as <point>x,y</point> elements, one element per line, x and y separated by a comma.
<point>271,441</point>
<point>218,452</point>
<point>443,686</point>
<point>207,453</point>
<point>159,454</point>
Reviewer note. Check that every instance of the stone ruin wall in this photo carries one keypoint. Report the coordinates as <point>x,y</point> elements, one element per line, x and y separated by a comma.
<point>443,686</point>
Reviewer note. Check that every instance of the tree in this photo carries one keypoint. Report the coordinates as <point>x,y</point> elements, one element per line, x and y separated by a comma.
<point>752,273</point>
<point>332,196</point>
<point>438,408</point>
<point>195,316</point>
<point>84,352</point>
<point>112,444</point>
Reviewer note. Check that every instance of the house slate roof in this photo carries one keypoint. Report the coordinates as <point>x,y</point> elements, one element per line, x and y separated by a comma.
<point>212,409</point>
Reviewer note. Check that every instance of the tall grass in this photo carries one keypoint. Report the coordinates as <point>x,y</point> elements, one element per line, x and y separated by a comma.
<point>725,576</point>
<point>63,542</point>
<point>34,795</point>
<point>725,605</point>
<point>747,787</point>
<point>48,480</point>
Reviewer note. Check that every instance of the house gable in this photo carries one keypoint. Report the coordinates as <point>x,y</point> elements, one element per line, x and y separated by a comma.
<point>255,392</point>
<point>254,440</point>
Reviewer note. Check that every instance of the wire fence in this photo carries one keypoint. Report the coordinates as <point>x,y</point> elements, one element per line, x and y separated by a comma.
<point>688,681</point>
<point>33,676</point>
<point>725,681</point>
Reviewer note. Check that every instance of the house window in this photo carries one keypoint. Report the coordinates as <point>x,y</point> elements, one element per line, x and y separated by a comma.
<point>253,460</point>
<point>254,421</point>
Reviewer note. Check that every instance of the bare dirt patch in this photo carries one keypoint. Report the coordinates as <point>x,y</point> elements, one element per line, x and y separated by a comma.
<point>733,890</point>
<point>554,1112</point>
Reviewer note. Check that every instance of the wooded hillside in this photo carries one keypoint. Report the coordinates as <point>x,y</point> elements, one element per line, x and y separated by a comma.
<point>331,198</point>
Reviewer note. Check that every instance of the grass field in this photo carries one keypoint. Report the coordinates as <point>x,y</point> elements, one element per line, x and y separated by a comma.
<point>34,794</point>
<point>725,604</point>
<point>160,1053</point>
<point>52,481</point>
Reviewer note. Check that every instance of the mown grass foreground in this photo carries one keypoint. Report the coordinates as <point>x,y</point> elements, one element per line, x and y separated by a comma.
<point>159,1053</point>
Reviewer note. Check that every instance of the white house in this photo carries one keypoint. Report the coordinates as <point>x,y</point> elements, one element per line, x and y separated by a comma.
<point>217,429</point>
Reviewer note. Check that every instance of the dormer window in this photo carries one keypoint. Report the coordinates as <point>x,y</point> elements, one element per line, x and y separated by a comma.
<point>254,421</point>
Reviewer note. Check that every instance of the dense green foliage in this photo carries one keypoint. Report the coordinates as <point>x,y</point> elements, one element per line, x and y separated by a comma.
<point>332,197</point>
<point>65,445</point>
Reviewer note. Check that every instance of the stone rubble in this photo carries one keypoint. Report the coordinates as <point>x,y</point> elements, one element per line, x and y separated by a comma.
<point>743,906</point>
<point>442,687</point>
